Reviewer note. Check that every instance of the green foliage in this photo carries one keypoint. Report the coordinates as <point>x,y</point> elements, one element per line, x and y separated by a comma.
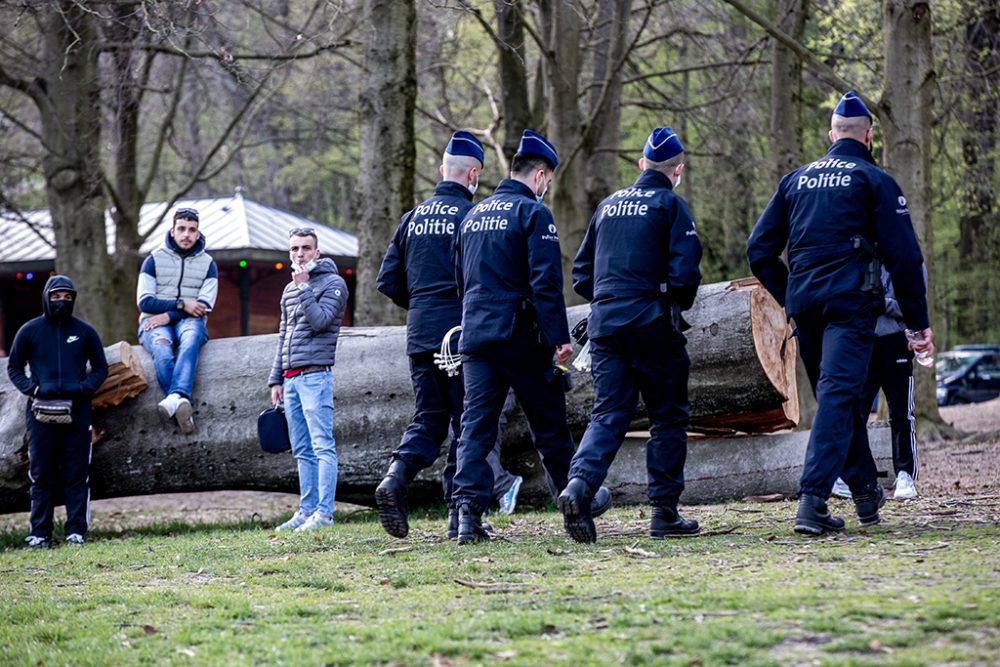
<point>906,593</point>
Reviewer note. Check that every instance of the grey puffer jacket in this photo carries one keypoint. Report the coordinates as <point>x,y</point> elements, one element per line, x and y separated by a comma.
<point>310,321</point>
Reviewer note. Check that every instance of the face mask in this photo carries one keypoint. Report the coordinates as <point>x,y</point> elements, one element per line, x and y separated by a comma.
<point>310,265</point>
<point>542,196</point>
<point>61,311</point>
<point>473,188</point>
<point>677,181</point>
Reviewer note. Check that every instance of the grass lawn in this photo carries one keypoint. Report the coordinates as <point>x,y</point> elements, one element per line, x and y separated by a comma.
<point>923,588</point>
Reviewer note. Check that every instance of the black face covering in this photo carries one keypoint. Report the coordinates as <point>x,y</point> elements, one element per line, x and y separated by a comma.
<point>61,311</point>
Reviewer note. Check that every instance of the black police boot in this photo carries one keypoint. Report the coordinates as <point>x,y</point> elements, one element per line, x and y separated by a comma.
<point>452,523</point>
<point>390,497</point>
<point>666,522</point>
<point>470,526</point>
<point>575,504</point>
<point>601,502</point>
<point>867,504</point>
<point>814,517</point>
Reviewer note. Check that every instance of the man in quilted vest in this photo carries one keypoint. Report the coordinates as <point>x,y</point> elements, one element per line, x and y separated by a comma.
<point>177,287</point>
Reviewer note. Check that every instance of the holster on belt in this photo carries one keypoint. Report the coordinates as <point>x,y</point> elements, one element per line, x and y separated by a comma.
<point>677,321</point>
<point>872,280</point>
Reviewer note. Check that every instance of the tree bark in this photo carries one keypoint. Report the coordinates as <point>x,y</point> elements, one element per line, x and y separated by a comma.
<point>739,380</point>
<point>68,96</point>
<point>977,301</point>
<point>512,65</point>
<point>388,153</point>
<point>907,100</point>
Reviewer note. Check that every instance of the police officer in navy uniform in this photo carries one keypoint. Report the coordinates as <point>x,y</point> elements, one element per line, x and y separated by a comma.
<point>839,217</point>
<point>418,273</point>
<point>513,321</point>
<point>638,266</point>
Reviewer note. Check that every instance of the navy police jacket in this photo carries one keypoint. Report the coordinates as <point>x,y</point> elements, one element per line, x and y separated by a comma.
<point>418,271</point>
<point>816,212</point>
<point>510,266</point>
<point>640,254</point>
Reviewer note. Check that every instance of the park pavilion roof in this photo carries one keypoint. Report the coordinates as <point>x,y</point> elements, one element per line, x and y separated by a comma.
<point>236,228</point>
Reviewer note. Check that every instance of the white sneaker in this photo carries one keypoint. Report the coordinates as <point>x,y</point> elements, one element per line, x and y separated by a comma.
<point>297,520</point>
<point>168,406</point>
<point>840,489</point>
<point>74,540</point>
<point>905,488</point>
<point>317,520</point>
<point>509,500</point>
<point>183,415</point>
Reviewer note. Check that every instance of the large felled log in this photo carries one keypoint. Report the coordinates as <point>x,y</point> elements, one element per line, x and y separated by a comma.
<point>739,380</point>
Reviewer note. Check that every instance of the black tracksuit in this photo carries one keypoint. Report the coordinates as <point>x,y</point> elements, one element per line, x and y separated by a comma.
<point>57,350</point>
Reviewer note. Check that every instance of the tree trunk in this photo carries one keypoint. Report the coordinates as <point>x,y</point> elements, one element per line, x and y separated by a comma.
<point>388,153</point>
<point>512,66</point>
<point>977,300</point>
<point>786,138</point>
<point>68,100</point>
<point>739,380</point>
<point>907,98</point>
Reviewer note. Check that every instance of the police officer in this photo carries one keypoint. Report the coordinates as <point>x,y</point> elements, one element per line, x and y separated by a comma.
<point>838,217</point>
<point>513,320</point>
<point>418,273</point>
<point>638,266</point>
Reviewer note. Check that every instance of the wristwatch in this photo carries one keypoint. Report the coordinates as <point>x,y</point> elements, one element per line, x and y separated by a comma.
<point>179,305</point>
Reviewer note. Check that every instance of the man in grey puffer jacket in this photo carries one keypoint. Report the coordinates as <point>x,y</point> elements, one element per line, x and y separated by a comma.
<point>312,307</point>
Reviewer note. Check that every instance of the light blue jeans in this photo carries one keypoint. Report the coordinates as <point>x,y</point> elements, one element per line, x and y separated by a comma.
<point>309,411</point>
<point>175,372</point>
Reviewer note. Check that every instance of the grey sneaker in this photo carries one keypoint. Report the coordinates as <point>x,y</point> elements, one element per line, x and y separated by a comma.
<point>183,415</point>
<point>317,520</point>
<point>509,500</point>
<point>74,540</point>
<point>37,542</point>
<point>297,520</point>
<point>841,490</point>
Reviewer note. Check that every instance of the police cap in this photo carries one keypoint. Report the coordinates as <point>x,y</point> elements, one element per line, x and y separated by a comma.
<point>464,143</point>
<point>850,106</point>
<point>663,144</point>
<point>535,144</point>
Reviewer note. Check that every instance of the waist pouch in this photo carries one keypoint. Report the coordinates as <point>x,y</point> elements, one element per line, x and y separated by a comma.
<point>53,411</point>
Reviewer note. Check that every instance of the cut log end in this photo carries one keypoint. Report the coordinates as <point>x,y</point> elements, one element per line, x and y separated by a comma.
<point>125,380</point>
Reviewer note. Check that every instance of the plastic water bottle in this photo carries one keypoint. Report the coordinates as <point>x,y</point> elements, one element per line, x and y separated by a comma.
<point>923,358</point>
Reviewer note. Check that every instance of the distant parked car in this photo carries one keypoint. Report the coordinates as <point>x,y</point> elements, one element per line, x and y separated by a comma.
<point>968,376</point>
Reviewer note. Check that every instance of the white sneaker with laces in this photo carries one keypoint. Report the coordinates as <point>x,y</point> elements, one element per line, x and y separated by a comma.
<point>509,500</point>
<point>168,406</point>
<point>74,540</point>
<point>840,489</point>
<point>37,542</point>
<point>317,520</point>
<point>297,520</point>
<point>905,489</point>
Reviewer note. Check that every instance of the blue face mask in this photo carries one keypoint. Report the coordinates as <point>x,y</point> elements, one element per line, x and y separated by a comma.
<point>310,265</point>
<point>542,196</point>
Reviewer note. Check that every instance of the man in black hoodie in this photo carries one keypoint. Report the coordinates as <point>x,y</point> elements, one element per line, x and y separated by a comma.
<point>58,347</point>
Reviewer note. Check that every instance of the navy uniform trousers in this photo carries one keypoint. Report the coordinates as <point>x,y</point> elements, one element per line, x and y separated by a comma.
<point>891,369</point>
<point>439,401</point>
<point>524,365</point>
<point>835,341</point>
<point>59,457</point>
<point>651,361</point>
